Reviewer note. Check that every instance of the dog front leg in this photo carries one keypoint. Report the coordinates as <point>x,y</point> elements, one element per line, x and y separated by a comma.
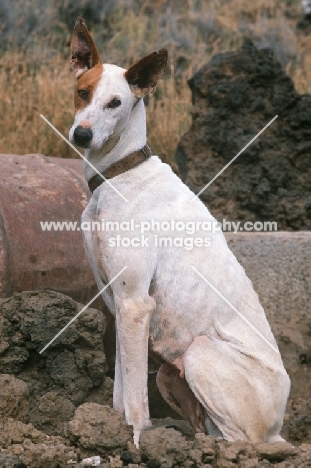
<point>118,403</point>
<point>132,321</point>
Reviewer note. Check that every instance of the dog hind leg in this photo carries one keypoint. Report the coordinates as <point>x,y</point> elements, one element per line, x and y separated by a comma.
<point>176,392</point>
<point>242,398</point>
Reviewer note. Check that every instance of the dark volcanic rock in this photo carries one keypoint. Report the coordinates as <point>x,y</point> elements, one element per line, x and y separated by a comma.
<point>34,448</point>
<point>52,413</point>
<point>163,447</point>
<point>14,398</point>
<point>235,95</point>
<point>73,366</point>
<point>100,428</point>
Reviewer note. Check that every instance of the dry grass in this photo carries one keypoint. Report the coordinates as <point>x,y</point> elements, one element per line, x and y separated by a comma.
<point>28,92</point>
<point>49,91</point>
<point>37,83</point>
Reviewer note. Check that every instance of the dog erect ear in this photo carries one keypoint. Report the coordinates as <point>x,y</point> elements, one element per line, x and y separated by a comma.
<point>144,75</point>
<point>84,53</point>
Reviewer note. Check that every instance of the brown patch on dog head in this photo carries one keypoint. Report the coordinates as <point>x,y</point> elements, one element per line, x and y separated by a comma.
<point>84,53</point>
<point>144,75</point>
<point>86,85</point>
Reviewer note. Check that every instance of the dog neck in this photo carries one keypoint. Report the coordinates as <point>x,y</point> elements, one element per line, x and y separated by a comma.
<point>117,147</point>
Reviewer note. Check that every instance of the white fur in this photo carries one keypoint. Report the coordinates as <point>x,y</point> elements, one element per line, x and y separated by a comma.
<point>239,380</point>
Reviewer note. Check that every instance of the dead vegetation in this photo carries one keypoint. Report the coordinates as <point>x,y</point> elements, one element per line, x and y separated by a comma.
<point>35,76</point>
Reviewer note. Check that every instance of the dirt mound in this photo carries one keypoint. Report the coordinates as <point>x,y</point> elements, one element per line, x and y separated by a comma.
<point>33,448</point>
<point>162,447</point>
<point>55,407</point>
<point>14,398</point>
<point>74,365</point>
<point>298,428</point>
<point>235,95</point>
<point>100,428</point>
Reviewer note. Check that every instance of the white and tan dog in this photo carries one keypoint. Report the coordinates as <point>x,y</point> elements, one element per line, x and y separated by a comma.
<point>225,377</point>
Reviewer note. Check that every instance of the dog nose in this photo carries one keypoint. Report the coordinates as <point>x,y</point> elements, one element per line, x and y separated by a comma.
<point>82,136</point>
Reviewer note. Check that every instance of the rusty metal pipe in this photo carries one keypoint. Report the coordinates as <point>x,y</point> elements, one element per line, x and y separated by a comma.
<point>36,188</point>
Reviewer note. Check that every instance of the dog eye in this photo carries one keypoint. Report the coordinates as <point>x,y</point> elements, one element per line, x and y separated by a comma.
<point>83,94</point>
<point>114,103</point>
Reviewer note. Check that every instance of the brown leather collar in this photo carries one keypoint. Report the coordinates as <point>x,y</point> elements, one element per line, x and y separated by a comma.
<point>121,166</point>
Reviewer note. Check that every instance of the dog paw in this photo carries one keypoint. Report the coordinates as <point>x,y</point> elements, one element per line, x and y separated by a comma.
<point>136,437</point>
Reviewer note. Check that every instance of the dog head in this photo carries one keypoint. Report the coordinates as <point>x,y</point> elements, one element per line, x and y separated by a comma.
<point>105,94</point>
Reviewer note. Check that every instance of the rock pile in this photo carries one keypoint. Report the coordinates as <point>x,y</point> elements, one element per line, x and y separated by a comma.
<point>24,446</point>
<point>73,366</point>
<point>55,407</point>
<point>234,96</point>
